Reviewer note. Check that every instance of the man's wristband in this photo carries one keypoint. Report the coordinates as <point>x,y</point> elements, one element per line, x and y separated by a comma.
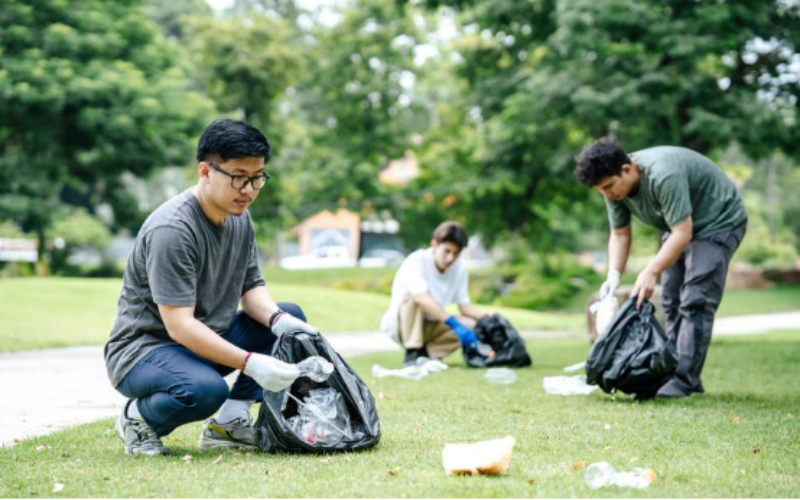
<point>246,359</point>
<point>274,317</point>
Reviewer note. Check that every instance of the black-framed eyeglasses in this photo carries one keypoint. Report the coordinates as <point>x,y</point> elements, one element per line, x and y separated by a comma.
<point>241,181</point>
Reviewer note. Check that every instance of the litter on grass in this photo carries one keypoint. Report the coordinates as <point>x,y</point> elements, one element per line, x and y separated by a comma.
<point>500,376</point>
<point>418,371</point>
<point>484,457</point>
<point>568,386</point>
<point>602,474</point>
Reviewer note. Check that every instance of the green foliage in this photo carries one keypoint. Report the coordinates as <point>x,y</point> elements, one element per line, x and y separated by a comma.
<point>80,229</point>
<point>537,282</point>
<point>88,90</point>
<point>8,229</point>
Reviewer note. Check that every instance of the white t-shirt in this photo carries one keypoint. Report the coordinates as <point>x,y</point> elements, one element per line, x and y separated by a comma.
<point>419,274</point>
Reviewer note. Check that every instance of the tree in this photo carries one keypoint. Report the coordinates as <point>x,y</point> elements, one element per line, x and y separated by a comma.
<point>548,76</point>
<point>88,90</point>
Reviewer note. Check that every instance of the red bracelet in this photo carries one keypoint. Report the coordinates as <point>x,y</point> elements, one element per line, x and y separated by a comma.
<point>246,359</point>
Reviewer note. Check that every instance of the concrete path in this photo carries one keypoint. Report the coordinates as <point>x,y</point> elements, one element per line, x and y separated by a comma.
<point>48,390</point>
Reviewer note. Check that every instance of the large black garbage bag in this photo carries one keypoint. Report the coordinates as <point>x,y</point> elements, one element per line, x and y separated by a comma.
<point>497,332</point>
<point>273,432</point>
<point>634,356</point>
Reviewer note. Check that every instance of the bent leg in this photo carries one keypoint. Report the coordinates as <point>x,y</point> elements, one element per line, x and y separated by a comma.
<point>173,386</point>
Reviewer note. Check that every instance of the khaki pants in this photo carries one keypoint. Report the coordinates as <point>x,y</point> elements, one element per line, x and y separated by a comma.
<point>416,331</point>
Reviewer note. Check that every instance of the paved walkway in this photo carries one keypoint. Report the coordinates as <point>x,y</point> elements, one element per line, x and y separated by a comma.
<point>48,390</point>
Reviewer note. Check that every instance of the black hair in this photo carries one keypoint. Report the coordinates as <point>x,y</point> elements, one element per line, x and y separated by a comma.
<point>230,140</point>
<point>602,158</point>
<point>451,232</point>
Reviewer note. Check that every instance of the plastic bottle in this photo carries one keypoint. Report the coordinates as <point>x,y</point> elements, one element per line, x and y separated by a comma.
<point>500,376</point>
<point>316,368</point>
<point>602,474</point>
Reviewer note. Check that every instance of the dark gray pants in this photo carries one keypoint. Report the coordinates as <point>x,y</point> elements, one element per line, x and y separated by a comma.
<point>692,291</point>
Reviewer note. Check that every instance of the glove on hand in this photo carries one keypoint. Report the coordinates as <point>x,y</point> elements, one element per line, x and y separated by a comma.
<point>465,335</point>
<point>270,373</point>
<point>610,285</point>
<point>283,322</point>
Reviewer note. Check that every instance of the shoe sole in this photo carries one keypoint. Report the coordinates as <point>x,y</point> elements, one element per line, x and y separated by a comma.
<point>207,443</point>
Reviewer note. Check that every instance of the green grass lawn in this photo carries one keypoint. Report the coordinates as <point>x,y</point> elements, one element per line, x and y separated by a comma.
<point>742,439</point>
<point>57,312</point>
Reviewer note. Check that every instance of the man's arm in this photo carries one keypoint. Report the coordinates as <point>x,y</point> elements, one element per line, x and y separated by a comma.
<point>471,311</point>
<point>259,304</point>
<point>430,307</point>
<point>186,330</point>
<point>619,247</point>
<point>677,241</point>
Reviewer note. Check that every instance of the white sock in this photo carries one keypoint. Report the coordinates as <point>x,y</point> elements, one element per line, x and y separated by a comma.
<point>133,410</point>
<point>233,409</point>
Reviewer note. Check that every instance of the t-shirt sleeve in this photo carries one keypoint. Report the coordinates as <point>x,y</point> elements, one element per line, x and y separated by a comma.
<point>619,215</point>
<point>253,277</point>
<point>672,193</point>
<point>171,265</point>
<point>414,276</point>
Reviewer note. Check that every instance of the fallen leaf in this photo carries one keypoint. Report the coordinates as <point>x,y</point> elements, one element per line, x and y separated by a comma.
<point>187,458</point>
<point>756,449</point>
<point>42,447</point>
<point>531,481</point>
<point>217,460</point>
<point>57,487</point>
<point>735,419</point>
<point>607,427</point>
<point>323,460</point>
<point>395,471</point>
<point>382,395</point>
<point>578,465</point>
<point>64,455</point>
<point>106,479</point>
<point>634,460</point>
<point>742,471</point>
<point>789,416</point>
<point>607,448</point>
<point>266,472</point>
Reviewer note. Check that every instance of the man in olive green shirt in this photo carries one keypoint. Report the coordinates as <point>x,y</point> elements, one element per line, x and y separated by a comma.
<point>687,196</point>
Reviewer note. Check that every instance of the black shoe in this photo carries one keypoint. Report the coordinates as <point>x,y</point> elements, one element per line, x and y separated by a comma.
<point>699,389</point>
<point>413,354</point>
<point>673,389</point>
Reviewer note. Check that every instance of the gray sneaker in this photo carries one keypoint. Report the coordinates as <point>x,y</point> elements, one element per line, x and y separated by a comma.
<point>138,437</point>
<point>238,433</point>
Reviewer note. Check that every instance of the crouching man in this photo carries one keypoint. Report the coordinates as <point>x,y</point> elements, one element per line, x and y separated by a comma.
<point>426,283</point>
<point>177,332</point>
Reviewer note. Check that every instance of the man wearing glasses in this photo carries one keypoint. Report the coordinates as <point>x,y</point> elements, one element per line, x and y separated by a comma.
<point>178,332</point>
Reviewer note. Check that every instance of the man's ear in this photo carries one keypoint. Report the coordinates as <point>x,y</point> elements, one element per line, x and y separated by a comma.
<point>626,169</point>
<point>204,170</point>
<point>434,244</point>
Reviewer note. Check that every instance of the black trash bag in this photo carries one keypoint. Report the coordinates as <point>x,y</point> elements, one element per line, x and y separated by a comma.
<point>273,431</point>
<point>634,355</point>
<point>509,348</point>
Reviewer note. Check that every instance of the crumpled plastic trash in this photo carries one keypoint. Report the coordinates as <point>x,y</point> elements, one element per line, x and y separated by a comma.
<point>422,368</point>
<point>322,418</point>
<point>483,457</point>
<point>568,386</point>
<point>500,376</point>
<point>431,365</point>
<point>576,367</point>
<point>604,311</point>
<point>602,474</point>
<point>410,372</point>
<point>316,368</point>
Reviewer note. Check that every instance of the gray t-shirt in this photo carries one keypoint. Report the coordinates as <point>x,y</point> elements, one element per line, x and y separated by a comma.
<point>675,183</point>
<point>180,258</point>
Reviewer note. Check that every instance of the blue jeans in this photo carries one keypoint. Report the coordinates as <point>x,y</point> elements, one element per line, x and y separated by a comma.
<point>175,386</point>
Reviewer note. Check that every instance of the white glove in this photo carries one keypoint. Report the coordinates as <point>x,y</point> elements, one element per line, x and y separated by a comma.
<point>611,284</point>
<point>284,322</point>
<point>272,374</point>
